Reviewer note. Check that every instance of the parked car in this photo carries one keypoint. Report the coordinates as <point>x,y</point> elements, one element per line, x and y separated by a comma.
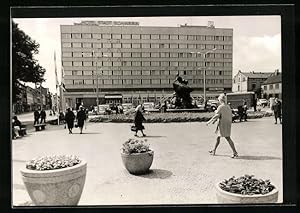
<point>148,106</point>
<point>104,109</point>
<point>212,105</point>
<point>262,102</point>
<point>127,107</point>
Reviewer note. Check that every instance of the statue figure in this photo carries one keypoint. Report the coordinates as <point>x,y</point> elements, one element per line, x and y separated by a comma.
<point>182,93</point>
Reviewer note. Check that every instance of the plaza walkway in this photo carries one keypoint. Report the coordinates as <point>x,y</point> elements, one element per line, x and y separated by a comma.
<point>182,172</point>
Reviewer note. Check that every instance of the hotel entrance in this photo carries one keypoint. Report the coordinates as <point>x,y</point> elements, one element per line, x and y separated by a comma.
<point>113,99</point>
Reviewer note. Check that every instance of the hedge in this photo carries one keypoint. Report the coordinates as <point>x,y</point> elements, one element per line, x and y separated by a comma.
<point>168,117</point>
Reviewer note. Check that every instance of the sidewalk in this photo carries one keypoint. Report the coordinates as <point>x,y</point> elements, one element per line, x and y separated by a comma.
<point>28,119</point>
<point>182,171</point>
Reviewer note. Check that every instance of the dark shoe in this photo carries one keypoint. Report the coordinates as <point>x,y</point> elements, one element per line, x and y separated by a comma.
<point>275,122</point>
<point>144,135</point>
<point>80,132</point>
<point>235,155</point>
<point>135,135</point>
<point>212,152</point>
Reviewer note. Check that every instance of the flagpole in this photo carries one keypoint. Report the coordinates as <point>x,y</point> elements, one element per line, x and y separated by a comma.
<point>56,84</point>
<point>62,90</point>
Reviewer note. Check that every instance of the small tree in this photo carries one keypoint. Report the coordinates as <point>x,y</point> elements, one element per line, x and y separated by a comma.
<point>24,67</point>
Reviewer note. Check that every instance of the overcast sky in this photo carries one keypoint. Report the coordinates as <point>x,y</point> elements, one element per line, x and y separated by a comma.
<point>256,39</point>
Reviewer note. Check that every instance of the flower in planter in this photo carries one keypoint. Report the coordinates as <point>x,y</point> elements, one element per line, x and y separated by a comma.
<point>53,162</point>
<point>246,185</point>
<point>135,146</point>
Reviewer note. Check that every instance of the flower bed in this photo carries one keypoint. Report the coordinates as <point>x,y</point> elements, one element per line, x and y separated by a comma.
<point>168,117</point>
<point>155,117</point>
<point>261,114</point>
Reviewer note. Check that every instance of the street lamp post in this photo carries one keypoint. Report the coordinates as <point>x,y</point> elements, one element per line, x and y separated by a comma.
<point>97,83</point>
<point>97,77</point>
<point>204,70</point>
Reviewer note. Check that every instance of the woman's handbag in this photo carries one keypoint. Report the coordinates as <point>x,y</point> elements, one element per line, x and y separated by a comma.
<point>133,128</point>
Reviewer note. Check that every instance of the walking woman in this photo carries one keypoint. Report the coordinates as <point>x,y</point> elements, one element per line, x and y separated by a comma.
<point>81,116</point>
<point>70,117</point>
<point>138,120</point>
<point>224,116</point>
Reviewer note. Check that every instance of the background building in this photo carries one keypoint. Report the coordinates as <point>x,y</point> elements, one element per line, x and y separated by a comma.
<point>30,99</point>
<point>272,87</point>
<point>249,81</point>
<point>20,105</point>
<point>32,95</point>
<point>132,63</point>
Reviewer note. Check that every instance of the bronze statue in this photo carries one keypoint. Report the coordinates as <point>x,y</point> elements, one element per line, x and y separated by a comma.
<point>182,90</point>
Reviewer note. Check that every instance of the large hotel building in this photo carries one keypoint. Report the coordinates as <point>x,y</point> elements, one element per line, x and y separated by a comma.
<point>122,62</point>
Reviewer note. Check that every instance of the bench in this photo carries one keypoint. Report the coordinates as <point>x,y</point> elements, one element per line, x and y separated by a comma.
<point>22,131</point>
<point>39,127</point>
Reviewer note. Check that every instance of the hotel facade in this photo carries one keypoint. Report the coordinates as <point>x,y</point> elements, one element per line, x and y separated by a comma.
<point>123,62</point>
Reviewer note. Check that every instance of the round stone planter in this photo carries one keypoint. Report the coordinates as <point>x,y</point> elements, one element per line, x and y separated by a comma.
<point>57,187</point>
<point>228,197</point>
<point>138,163</point>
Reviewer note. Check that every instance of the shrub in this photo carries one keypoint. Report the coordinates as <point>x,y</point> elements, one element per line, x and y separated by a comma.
<point>135,146</point>
<point>53,162</point>
<point>246,185</point>
<point>168,117</point>
<point>155,117</point>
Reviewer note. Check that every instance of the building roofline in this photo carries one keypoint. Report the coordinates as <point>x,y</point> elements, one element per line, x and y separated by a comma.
<point>180,26</point>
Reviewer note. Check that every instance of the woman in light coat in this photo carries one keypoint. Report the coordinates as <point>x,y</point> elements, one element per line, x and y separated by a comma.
<point>223,115</point>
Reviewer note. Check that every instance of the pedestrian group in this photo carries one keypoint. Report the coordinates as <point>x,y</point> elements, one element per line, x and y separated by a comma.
<point>224,116</point>
<point>80,118</point>
<point>39,117</point>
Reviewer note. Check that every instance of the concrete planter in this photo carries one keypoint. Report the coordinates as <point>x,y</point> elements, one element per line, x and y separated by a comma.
<point>57,187</point>
<point>138,163</point>
<point>228,197</point>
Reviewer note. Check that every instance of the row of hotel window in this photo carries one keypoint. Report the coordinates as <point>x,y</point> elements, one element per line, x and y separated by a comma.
<point>142,81</point>
<point>146,36</point>
<point>148,72</point>
<point>146,63</point>
<point>144,55</point>
<point>145,45</point>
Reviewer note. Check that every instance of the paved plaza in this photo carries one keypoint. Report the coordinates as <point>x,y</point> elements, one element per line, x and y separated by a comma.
<point>182,172</point>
